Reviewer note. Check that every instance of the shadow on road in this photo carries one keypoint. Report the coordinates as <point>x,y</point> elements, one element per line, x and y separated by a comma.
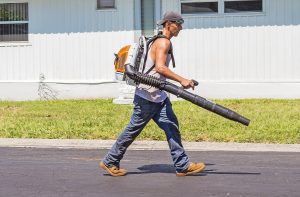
<point>167,168</point>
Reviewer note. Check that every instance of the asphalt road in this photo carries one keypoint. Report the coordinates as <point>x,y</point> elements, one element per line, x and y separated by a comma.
<point>70,172</point>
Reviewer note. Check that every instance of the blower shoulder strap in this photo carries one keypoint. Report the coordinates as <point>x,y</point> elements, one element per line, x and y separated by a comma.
<point>149,43</point>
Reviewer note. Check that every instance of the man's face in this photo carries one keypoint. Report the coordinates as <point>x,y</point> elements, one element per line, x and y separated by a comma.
<point>175,27</point>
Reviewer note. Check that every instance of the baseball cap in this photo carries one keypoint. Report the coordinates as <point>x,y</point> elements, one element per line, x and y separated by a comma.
<point>171,16</point>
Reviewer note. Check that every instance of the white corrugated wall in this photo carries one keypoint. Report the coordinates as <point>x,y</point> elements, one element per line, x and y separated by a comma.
<point>240,50</point>
<point>69,41</point>
<point>232,56</point>
<point>71,44</point>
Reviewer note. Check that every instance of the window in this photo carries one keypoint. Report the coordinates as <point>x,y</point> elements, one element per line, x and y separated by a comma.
<point>243,6</point>
<point>220,6</point>
<point>199,7</point>
<point>13,22</point>
<point>105,4</point>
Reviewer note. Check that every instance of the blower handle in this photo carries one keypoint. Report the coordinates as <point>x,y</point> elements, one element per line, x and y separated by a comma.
<point>195,82</point>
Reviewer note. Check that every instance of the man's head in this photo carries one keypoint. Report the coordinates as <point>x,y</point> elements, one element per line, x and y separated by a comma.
<point>172,22</point>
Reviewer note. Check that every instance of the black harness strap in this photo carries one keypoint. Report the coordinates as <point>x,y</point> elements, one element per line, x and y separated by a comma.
<point>150,43</point>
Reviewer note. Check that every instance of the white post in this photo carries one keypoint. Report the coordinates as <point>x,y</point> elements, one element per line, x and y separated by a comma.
<point>126,94</point>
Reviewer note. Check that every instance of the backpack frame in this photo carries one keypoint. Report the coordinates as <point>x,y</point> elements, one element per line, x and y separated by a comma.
<point>136,55</point>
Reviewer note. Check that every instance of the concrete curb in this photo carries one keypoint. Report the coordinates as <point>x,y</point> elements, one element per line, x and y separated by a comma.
<point>146,145</point>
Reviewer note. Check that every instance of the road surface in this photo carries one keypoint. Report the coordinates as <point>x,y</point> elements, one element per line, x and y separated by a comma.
<point>74,172</point>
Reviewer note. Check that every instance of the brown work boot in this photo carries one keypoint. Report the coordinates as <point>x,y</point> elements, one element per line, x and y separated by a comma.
<point>113,171</point>
<point>193,169</point>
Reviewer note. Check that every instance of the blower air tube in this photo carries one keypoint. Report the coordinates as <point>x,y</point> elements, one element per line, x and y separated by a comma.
<point>180,92</point>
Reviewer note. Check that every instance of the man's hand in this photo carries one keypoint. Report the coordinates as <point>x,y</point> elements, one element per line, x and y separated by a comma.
<point>187,84</point>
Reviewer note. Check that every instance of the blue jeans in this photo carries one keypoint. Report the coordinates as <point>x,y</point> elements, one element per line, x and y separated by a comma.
<point>163,115</point>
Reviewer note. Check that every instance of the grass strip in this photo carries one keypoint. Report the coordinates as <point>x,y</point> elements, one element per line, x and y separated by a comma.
<point>272,121</point>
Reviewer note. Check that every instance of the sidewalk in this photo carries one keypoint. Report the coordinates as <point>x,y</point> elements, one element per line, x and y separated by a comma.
<point>146,145</point>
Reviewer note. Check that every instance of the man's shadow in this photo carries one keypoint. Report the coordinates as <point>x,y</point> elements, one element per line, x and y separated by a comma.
<point>169,169</point>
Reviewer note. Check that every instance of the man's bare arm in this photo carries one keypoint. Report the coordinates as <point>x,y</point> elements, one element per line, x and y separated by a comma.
<point>161,54</point>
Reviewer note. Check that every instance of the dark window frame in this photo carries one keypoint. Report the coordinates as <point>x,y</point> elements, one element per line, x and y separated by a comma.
<point>112,7</point>
<point>205,7</point>
<point>14,22</point>
<point>221,9</point>
<point>242,8</point>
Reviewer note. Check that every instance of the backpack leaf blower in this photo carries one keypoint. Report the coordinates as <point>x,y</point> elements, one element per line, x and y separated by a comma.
<point>180,92</point>
<point>129,67</point>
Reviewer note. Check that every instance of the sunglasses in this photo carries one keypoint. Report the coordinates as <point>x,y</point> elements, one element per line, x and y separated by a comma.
<point>180,21</point>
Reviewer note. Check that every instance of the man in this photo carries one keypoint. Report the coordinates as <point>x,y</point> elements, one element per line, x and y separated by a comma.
<point>152,103</point>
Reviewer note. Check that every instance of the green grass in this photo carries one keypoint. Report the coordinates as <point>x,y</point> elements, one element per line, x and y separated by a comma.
<point>272,121</point>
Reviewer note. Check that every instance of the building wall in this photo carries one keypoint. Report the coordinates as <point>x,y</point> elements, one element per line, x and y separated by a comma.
<point>233,56</point>
<point>70,41</point>
<point>249,55</point>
